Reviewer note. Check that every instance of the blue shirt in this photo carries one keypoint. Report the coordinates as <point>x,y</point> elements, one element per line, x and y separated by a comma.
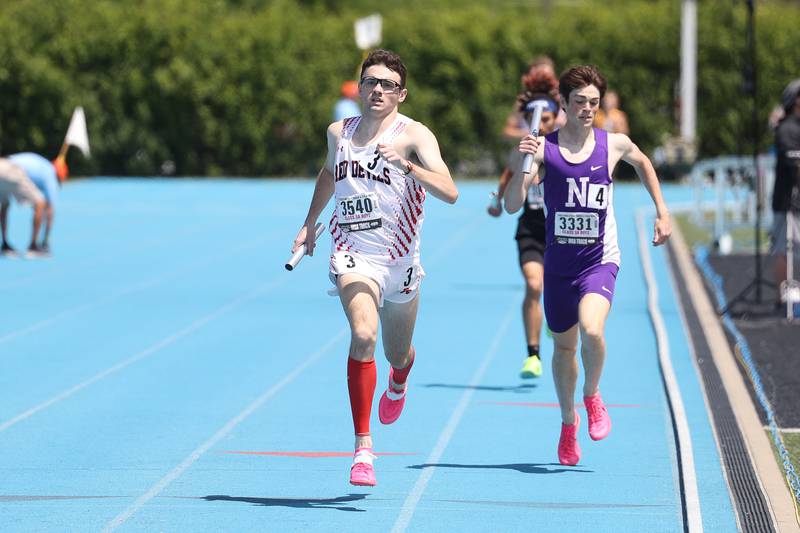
<point>345,108</point>
<point>41,172</point>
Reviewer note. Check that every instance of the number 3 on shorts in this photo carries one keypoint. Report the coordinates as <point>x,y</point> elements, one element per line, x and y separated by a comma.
<point>344,262</point>
<point>405,280</point>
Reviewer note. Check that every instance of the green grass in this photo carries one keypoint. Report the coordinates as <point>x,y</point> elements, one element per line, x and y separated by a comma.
<point>792,443</point>
<point>743,237</point>
<point>692,233</point>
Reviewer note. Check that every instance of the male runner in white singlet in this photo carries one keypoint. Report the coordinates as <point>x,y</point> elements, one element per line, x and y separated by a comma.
<point>380,167</point>
<point>581,257</point>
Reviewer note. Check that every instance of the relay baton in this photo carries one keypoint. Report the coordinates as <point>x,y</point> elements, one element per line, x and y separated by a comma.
<point>301,251</point>
<point>537,106</point>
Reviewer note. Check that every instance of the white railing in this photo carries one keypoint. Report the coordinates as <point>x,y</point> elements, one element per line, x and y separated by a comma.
<point>726,186</point>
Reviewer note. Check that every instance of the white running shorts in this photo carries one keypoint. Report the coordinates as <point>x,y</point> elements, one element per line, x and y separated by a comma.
<point>398,283</point>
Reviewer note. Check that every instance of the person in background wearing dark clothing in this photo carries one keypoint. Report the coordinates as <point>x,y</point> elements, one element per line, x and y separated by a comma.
<point>530,235</point>
<point>786,193</point>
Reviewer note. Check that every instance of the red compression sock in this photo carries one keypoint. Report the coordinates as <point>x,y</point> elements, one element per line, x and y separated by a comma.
<point>400,375</point>
<point>361,377</point>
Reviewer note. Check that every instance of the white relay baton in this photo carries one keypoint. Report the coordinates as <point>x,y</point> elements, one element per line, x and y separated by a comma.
<point>494,200</point>
<point>537,106</point>
<point>301,251</point>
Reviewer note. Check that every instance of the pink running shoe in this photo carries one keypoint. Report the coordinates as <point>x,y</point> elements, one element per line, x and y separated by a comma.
<point>599,421</point>
<point>392,402</point>
<point>569,453</point>
<point>362,473</point>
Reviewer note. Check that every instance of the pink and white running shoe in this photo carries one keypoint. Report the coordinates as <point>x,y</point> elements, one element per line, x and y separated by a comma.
<point>362,473</point>
<point>392,402</point>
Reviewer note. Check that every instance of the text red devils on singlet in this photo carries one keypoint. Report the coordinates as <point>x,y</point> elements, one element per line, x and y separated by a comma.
<point>378,211</point>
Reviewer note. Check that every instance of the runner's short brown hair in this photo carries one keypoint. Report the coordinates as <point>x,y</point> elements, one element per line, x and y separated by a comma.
<point>579,77</point>
<point>389,59</point>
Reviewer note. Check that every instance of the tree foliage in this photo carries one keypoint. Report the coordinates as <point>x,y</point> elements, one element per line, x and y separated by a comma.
<point>246,87</point>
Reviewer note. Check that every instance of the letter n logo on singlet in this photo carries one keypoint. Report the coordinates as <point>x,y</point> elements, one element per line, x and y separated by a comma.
<point>591,195</point>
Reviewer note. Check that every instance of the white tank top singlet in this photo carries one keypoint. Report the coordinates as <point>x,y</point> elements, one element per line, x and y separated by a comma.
<point>379,210</point>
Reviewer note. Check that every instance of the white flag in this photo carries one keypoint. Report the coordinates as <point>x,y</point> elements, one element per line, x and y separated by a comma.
<point>368,31</point>
<point>76,133</point>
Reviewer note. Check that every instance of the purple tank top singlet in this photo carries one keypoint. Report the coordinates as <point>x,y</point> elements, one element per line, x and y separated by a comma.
<point>581,229</point>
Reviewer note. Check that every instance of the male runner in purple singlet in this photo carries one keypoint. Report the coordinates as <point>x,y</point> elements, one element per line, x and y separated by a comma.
<point>581,256</point>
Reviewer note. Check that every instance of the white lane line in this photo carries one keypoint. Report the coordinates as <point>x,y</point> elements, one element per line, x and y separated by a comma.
<point>675,274</point>
<point>455,240</point>
<point>410,504</point>
<point>163,343</point>
<point>694,517</point>
<point>784,430</point>
<point>92,260</point>
<point>66,313</point>
<point>219,435</point>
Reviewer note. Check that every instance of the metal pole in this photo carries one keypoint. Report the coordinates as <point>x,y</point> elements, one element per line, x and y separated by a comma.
<point>689,71</point>
<point>753,88</point>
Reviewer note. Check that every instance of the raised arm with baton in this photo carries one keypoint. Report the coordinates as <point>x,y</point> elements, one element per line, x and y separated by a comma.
<point>537,107</point>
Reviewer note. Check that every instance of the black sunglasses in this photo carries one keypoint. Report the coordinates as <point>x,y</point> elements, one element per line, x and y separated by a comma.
<point>389,86</point>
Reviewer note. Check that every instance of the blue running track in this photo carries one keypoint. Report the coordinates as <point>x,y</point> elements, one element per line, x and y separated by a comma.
<point>163,372</point>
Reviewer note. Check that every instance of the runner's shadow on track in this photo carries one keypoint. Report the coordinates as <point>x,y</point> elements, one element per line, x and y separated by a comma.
<point>519,389</point>
<point>297,503</point>
<point>523,468</point>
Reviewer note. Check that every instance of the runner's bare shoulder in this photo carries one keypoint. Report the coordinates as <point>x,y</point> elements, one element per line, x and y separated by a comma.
<point>336,128</point>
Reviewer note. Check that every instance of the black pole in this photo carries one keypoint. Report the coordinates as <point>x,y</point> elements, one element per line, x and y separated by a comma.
<point>750,88</point>
<point>751,38</point>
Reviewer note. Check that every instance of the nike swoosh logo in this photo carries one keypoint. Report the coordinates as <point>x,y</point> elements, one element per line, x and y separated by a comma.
<point>595,168</point>
<point>604,288</point>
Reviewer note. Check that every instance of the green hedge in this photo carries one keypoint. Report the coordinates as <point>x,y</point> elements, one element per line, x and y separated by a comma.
<point>246,87</point>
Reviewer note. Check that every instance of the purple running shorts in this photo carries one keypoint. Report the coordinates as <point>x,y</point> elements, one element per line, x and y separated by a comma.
<point>563,294</point>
